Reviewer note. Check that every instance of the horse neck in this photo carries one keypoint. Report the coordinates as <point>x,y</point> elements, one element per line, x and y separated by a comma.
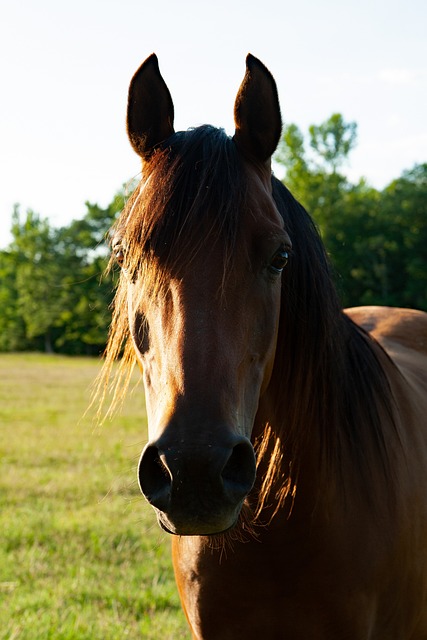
<point>302,406</point>
<point>330,407</point>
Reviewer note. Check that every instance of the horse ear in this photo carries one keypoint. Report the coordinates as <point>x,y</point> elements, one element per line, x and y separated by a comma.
<point>257,113</point>
<point>150,109</point>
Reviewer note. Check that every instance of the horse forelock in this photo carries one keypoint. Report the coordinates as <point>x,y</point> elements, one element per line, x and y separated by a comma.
<point>190,197</point>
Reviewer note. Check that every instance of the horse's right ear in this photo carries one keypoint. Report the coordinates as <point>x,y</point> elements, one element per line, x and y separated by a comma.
<point>150,110</point>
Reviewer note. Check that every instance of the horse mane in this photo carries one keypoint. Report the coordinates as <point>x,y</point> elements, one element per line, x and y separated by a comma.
<point>331,379</point>
<point>330,373</point>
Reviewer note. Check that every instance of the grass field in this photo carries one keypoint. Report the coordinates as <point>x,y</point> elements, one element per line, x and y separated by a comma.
<point>81,555</point>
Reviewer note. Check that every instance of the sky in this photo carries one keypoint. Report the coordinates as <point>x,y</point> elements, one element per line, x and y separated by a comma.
<point>65,69</point>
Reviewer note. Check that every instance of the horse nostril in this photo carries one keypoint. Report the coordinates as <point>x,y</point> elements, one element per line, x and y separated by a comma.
<point>238,473</point>
<point>154,478</point>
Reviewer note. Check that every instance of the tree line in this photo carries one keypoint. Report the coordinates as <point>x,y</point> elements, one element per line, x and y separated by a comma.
<point>55,294</point>
<point>376,240</point>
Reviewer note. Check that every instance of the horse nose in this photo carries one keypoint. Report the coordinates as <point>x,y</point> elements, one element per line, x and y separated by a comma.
<point>195,474</point>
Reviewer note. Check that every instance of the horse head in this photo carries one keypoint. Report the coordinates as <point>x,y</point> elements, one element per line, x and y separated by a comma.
<point>202,247</point>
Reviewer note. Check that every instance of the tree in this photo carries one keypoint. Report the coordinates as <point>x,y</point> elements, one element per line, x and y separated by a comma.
<point>404,216</point>
<point>333,140</point>
<point>377,241</point>
<point>53,294</point>
<point>330,143</point>
<point>314,178</point>
<point>88,234</point>
<point>38,275</point>
<point>83,244</point>
<point>12,326</point>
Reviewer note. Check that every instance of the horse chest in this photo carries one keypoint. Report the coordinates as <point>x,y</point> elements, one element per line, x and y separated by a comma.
<point>295,590</point>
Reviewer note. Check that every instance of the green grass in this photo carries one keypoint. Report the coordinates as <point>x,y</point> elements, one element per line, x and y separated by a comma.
<point>81,555</point>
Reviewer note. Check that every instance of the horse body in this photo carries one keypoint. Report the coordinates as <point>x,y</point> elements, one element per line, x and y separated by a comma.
<point>338,567</point>
<point>287,444</point>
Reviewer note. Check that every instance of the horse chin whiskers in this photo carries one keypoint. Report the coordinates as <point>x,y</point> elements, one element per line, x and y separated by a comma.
<point>245,530</point>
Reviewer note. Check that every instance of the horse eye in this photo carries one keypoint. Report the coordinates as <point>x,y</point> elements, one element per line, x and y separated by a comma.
<point>279,262</point>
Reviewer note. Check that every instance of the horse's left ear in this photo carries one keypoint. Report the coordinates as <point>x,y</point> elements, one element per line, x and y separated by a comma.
<point>257,113</point>
<point>150,109</point>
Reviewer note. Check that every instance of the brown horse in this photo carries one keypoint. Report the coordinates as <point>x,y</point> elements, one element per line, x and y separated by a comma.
<point>287,439</point>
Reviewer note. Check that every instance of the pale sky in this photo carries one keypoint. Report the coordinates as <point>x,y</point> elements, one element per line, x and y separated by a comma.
<point>65,69</point>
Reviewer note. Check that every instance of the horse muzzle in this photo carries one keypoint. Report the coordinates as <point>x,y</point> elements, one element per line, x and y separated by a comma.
<point>197,489</point>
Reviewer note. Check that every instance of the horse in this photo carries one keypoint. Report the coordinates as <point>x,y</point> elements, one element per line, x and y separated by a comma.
<point>287,450</point>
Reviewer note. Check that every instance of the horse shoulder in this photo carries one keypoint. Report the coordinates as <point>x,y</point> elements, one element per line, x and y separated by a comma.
<point>402,333</point>
<point>404,327</point>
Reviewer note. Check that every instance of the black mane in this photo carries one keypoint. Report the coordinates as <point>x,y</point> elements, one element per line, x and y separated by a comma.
<point>331,376</point>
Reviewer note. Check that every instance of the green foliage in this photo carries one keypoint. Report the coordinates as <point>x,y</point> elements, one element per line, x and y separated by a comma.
<point>81,554</point>
<point>333,140</point>
<point>38,270</point>
<point>12,328</point>
<point>404,219</point>
<point>377,240</point>
<point>54,295</point>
